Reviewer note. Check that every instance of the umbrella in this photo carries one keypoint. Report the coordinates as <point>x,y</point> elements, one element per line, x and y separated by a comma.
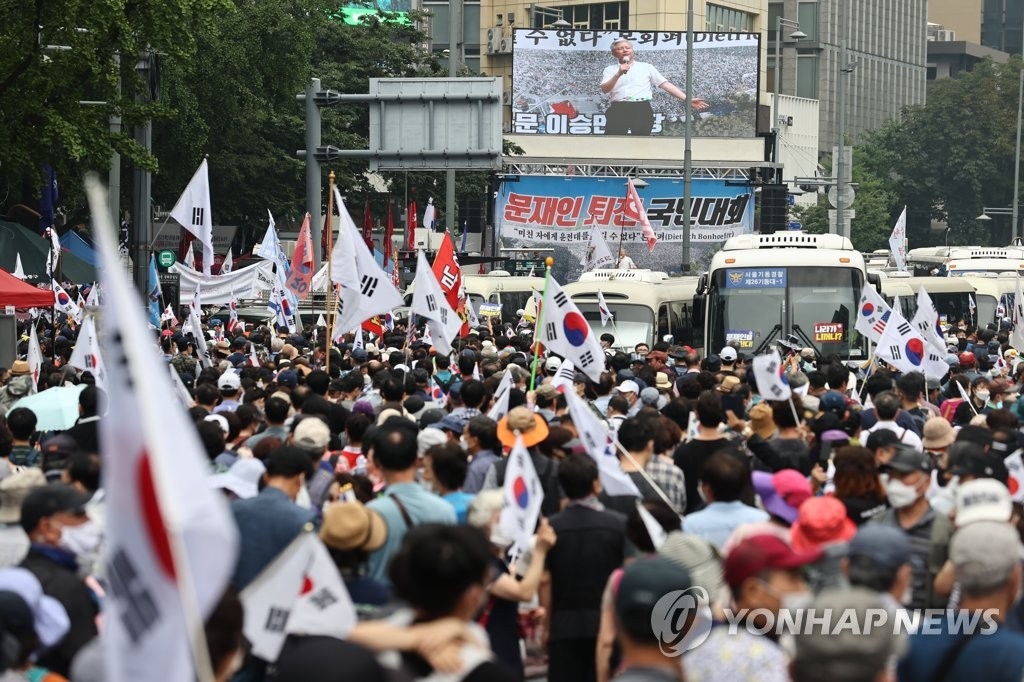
<point>56,408</point>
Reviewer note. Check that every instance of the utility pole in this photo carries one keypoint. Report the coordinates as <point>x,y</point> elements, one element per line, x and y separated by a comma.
<point>142,186</point>
<point>454,60</point>
<point>313,195</point>
<point>688,141</point>
<point>844,85</point>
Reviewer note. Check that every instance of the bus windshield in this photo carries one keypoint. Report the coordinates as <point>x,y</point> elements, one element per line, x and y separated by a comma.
<point>633,323</point>
<point>748,307</point>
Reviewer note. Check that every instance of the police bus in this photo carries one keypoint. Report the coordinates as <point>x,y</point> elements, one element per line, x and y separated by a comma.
<point>647,306</point>
<point>958,261</point>
<point>762,288</point>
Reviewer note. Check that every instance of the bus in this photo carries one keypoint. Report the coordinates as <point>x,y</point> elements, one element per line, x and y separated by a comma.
<point>994,294</point>
<point>958,261</point>
<point>647,306</point>
<point>951,295</point>
<point>498,288</point>
<point>762,288</point>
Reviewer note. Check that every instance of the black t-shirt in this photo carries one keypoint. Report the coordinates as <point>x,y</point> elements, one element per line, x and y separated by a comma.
<point>691,457</point>
<point>862,509</point>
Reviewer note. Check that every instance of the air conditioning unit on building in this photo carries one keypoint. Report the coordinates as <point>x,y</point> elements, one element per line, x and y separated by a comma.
<point>506,46</point>
<point>946,36</point>
<point>493,40</point>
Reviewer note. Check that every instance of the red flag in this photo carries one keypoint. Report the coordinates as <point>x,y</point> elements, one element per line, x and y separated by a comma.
<point>447,271</point>
<point>374,325</point>
<point>634,210</point>
<point>302,263</point>
<point>368,226</point>
<point>396,276</point>
<point>389,232</point>
<point>410,227</point>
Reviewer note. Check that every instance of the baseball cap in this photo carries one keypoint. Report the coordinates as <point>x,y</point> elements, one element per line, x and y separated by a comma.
<point>644,582</point>
<point>229,381</point>
<point>832,401</point>
<point>650,396</point>
<point>837,652</point>
<point>908,458</point>
<point>782,493</point>
<point>628,386</point>
<point>759,553</point>
<point>48,500</point>
<point>728,354</point>
<point>821,521</point>
<point>359,354</point>
<point>288,378</point>
<point>938,433</point>
<point>547,391</point>
<point>451,423</point>
<point>49,616</point>
<point>243,478</point>
<point>876,543</point>
<point>978,464</point>
<point>552,363</point>
<point>983,499</point>
<point>312,434</point>
<point>984,554</point>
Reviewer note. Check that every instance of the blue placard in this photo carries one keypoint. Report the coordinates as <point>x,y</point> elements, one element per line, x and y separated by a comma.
<point>755,278</point>
<point>794,225</point>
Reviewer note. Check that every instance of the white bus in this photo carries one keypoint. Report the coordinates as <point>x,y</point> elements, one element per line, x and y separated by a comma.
<point>958,261</point>
<point>496,287</point>
<point>647,306</point>
<point>951,295</point>
<point>762,288</point>
<point>994,294</point>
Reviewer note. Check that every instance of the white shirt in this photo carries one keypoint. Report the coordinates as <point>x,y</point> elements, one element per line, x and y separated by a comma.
<point>625,263</point>
<point>906,435</point>
<point>636,84</point>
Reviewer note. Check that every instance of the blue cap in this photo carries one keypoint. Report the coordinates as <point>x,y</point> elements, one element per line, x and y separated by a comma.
<point>450,423</point>
<point>881,544</point>
<point>832,401</point>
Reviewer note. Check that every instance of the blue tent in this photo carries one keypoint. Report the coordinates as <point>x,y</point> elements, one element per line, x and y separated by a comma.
<point>73,242</point>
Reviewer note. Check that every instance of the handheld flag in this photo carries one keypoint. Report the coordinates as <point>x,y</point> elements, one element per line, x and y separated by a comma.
<point>228,264</point>
<point>19,271</point>
<point>565,376</point>
<point>566,332</point>
<point>153,293</point>
<point>367,225</point>
<point>193,212</point>
<point>599,445</point>
<point>254,360</point>
<point>190,257</point>
<point>903,348</point>
<point>410,227</point>
<point>449,274</point>
<point>770,374</point>
<point>62,300</point>
<point>53,255</point>
<point>926,322</point>
<point>171,541</point>
<point>86,355</point>
<point>651,525</point>
<point>634,210</point>
<point>523,495</point>
<point>430,303</point>
<point>233,322</point>
<point>602,306</point>
<point>389,233</point>
<point>168,316</point>
<point>465,237</point>
<point>597,255</point>
<point>35,357</point>
<point>898,242</point>
<point>872,314</point>
<point>302,263</point>
<point>499,408</point>
<point>429,215</point>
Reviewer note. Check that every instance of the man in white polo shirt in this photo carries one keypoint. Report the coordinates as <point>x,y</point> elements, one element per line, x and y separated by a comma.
<point>629,84</point>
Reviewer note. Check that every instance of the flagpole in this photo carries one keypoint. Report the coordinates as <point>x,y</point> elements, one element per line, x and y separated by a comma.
<point>328,299</point>
<point>548,262</point>
<point>646,476</point>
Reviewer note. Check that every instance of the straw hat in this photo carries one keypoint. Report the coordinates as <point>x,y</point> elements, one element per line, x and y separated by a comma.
<point>351,526</point>
<point>530,425</point>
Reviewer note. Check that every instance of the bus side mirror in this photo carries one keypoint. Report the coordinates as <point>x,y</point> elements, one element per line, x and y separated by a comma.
<point>876,281</point>
<point>698,310</point>
<point>702,284</point>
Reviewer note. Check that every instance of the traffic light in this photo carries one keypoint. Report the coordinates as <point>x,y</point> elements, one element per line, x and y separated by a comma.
<point>774,208</point>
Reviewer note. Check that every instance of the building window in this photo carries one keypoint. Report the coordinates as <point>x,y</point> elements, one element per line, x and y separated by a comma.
<point>774,12</point>
<point>807,17</point>
<point>608,16</point>
<point>807,76</point>
<point>720,19</point>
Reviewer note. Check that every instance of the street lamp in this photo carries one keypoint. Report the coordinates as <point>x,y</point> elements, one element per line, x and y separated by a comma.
<point>797,34</point>
<point>538,10</point>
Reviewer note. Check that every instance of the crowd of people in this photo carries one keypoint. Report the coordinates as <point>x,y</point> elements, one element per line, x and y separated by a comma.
<point>867,491</point>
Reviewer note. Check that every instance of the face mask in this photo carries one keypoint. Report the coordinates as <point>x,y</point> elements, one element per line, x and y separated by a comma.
<point>982,395</point>
<point>900,494</point>
<point>700,492</point>
<point>83,540</point>
<point>463,443</point>
<point>884,478</point>
<point>908,594</point>
<point>998,405</point>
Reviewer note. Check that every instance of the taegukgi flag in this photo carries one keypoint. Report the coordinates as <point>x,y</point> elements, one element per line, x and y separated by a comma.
<point>193,212</point>
<point>566,332</point>
<point>770,374</point>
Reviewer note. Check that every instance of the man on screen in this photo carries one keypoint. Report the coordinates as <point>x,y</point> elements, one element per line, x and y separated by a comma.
<point>630,85</point>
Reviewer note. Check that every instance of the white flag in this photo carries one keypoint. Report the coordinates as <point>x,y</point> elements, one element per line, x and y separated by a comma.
<point>227,264</point>
<point>372,293</point>
<point>270,247</point>
<point>320,321</point>
<point>429,215</point>
<point>872,313</point>
<point>566,332</point>
<point>193,212</point>
<point>926,322</point>
<point>654,529</point>
<point>599,445</point>
<point>565,376</point>
<point>53,255</point>
<point>500,406</point>
<point>93,299</point>
<point>358,342</point>
<point>196,326</point>
<point>1017,335</point>
<point>35,356</point>
<point>471,316</point>
<point>19,271</point>
<point>523,495</point>
<point>299,593</point>
<point>898,242</point>
<point>62,301</point>
<point>190,257</point>
<point>597,254</point>
<point>254,360</point>
<point>86,355</point>
<point>770,374</point>
<point>602,306</point>
<point>429,302</point>
<point>171,543</point>
<point>902,347</point>
<point>344,269</point>
<point>184,397</point>
<point>971,307</point>
<point>1015,467</point>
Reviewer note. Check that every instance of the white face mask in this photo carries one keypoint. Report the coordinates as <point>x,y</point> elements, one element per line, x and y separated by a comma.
<point>82,540</point>
<point>982,395</point>
<point>900,494</point>
<point>464,443</point>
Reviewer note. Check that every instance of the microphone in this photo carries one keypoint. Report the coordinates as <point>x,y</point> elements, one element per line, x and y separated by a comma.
<point>625,60</point>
